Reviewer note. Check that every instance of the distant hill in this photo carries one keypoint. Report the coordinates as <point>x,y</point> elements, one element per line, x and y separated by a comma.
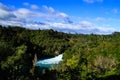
<point>85,56</point>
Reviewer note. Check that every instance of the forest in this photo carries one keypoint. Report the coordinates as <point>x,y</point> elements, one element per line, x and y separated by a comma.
<point>85,56</point>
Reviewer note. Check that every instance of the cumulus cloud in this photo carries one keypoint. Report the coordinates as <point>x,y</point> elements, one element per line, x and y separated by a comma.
<point>52,12</point>
<point>56,15</point>
<point>26,4</point>
<point>57,20</point>
<point>92,1</point>
<point>27,14</point>
<point>115,10</point>
<point>4,7</point>
<point>49,9</point>
<point>5,12</point>
<point>34,6</point>
<point>112,11</point>
<point>82,27</point>
<point>19,16</point>
<point>62,15</point>
<point>86,24</point>
<point>22,13</point>
<point>100,19</point>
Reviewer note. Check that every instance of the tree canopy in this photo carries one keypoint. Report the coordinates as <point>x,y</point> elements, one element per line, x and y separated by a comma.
<point>85,56</point>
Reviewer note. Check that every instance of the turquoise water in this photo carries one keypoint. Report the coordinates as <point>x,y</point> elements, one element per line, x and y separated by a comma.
<point>47,63</point>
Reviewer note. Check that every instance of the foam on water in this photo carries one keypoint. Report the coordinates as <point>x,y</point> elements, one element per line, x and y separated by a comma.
<point>50,62</point>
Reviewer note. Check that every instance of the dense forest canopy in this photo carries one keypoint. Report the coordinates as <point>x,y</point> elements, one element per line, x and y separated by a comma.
<point>85,56</point>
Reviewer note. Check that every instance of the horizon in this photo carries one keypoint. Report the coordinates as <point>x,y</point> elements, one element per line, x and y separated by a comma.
<point>80,16</point>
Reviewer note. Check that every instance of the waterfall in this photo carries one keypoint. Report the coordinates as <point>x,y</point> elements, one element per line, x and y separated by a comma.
<point>50,62</point>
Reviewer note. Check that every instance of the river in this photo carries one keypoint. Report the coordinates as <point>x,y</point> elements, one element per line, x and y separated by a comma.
<point>47,63</point>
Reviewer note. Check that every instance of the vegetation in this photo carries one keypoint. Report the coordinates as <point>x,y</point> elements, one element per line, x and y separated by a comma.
<point>85,57</point>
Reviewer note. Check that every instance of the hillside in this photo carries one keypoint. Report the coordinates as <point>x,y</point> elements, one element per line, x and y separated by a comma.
<point>85,56</point>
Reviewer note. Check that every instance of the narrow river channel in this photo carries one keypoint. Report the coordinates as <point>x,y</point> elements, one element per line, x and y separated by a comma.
<point>47,63</point>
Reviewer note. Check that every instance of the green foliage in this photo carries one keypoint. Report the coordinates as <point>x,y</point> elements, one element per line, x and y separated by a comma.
<point>85,57</point>
<point>11,60</point>
<point>18,46</point>
<point>72,63</point>
<point>91,57</point>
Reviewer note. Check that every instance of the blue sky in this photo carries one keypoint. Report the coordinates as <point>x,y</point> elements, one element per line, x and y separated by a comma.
<point>74,16</point>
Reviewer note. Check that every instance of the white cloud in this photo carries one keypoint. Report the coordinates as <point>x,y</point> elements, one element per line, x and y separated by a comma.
<point>34,6</point>
<point>57,20</point>
<point>82,27</point>
<point>92,1</point>
<point>54,15</point>
<point>86,24</point>
<point>5,12</point>
<point>26,4</point>
<point>115,10</point>
<point>4,7</point>
<point>23,13</point>
<point>62,14</point>
<point>100,19</point>
<point>112,11</point>
<point>26,12</point>
<point>49,9</point>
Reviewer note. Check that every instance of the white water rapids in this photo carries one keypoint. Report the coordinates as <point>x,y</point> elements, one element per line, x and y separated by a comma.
<point>50,62</point>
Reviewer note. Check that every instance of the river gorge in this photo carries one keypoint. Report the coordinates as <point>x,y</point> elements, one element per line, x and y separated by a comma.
<point>47,63</point>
